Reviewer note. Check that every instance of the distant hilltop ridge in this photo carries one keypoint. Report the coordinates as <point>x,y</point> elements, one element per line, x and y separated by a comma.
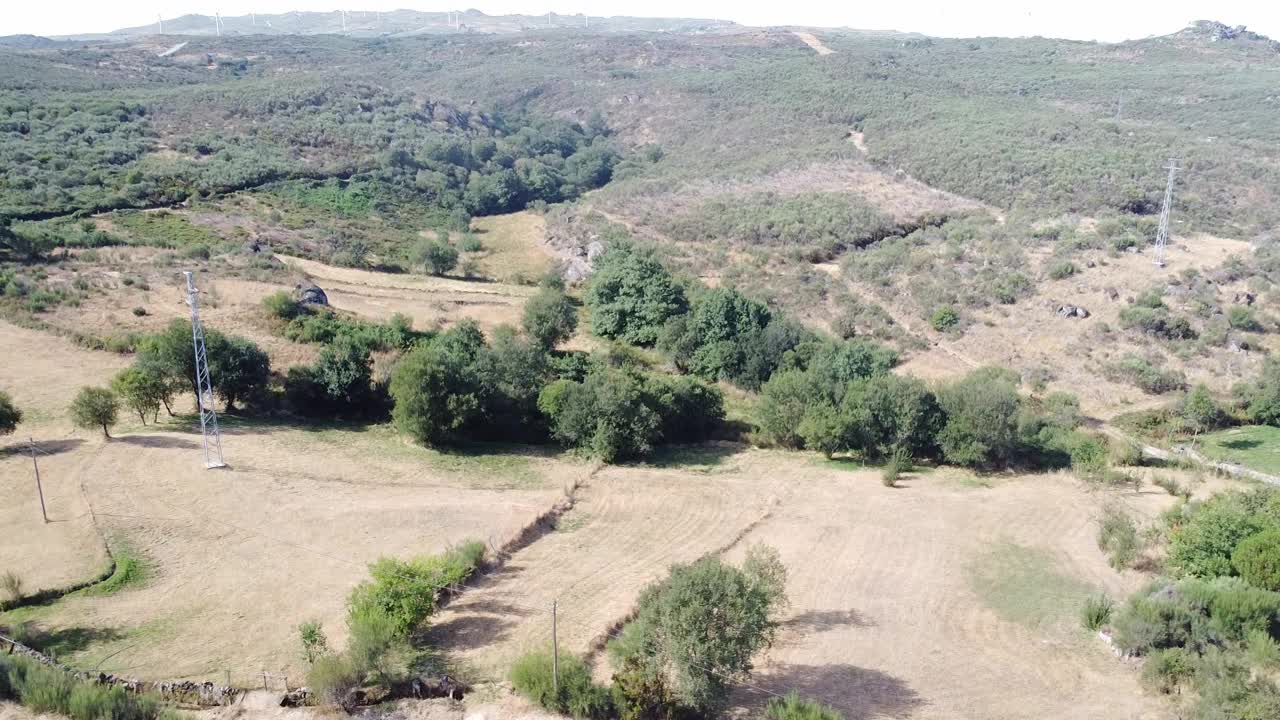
<point>400,22</point>
<point>404,23</point>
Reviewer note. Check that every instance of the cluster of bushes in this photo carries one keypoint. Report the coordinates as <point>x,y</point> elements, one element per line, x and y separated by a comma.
<point>458,387</point>
<point>1150,315</point>
<point>382,614</point>
<point>42,689</point>
<point>826,222</point>
<point>1215,626</point>
<point>314,324</point>
<point>1261,397</point>
<point>825,402</point>
<point>723,616</point>
<point>622,413</point>
<point>716,334</point>
<point>1141,373</point>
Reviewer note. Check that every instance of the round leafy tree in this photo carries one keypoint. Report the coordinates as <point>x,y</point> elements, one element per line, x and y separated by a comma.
<point>10,415</point>
<point>1257,559</point>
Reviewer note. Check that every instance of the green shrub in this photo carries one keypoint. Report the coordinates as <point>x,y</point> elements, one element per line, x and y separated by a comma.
<point>890,472</point>
<point>470,243</point>
<point>1145,376</point>
<point>792,707</point>
<point>578,696</point>
<point>1169,485</point>
<point>314,642</point>
<point>549,318</point>
<point>331,677</point>
<point>1206,540</point>
<point>1165,670</point>
<point>1257,559</point>
<point>1263,649</point>
<point>43,689</point>
<point>406,590</point>
<point>1062,269</point>
<point>11,584</point>
<point>944,318</point>
<point>435,256</point>
<point>1096,612</point>
<point>139,312</point>
<point>282,305</point>
<point>10,414</point>
<point>1118,537</point>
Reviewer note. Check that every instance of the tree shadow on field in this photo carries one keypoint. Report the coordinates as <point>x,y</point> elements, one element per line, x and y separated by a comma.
<point>1241,444</point>
<point>158,441</point>
<point>64,641</point>
<point>468,632</point>
<point>814,621</point>
<point>857,693</point>
<point>43,447</point>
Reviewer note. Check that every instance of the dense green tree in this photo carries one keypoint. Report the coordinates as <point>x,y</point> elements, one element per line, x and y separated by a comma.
<point>631,295</point>
<point>1262,397</point>
<point>1257,559</point>
<point>606,415</point>
<point>784,401</point>
<point>549,317</point>
<point>10,415</point>
<point>982,419</point>
<point>699,630</point>
<point>141,391</point>
<point>436,392</point>
<point>95,407</point>
<point>1204,543</point>
<point>690,410</point>
<point>238,369</point>
<point>1199,411</point>
<point>437,257</point>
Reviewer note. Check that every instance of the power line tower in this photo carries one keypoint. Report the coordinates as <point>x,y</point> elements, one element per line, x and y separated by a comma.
<point>1162,233</point>
<point>204,388</point>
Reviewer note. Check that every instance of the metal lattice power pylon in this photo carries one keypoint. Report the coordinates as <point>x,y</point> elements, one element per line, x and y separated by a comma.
<point>204,388</point>
<point>1162,233</point>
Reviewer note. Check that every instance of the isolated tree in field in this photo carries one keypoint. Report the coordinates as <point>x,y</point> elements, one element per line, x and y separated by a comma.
<point>10,415</point>
<point>140,391</point>
<point>95,407</point>
<point>550,318</point>
<point>436,256</point>
<point>631,295</point>
<point>698,631</point>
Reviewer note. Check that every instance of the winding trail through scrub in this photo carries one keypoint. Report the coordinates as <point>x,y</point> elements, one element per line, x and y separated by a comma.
<point>812,41</point>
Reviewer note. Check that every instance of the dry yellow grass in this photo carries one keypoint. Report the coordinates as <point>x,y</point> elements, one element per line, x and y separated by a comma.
<point>514,248</point>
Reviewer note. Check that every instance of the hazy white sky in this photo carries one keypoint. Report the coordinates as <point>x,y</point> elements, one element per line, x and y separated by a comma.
<point>1107,20</point>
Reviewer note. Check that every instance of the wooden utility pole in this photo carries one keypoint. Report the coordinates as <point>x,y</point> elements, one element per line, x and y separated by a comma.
<point>39,487</point>
<point>555,653</point>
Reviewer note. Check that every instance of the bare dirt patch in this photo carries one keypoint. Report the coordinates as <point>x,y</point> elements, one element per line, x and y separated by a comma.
<point>812,41</point>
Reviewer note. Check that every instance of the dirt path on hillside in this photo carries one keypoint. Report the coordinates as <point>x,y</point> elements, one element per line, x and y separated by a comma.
<point>812,41</point>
